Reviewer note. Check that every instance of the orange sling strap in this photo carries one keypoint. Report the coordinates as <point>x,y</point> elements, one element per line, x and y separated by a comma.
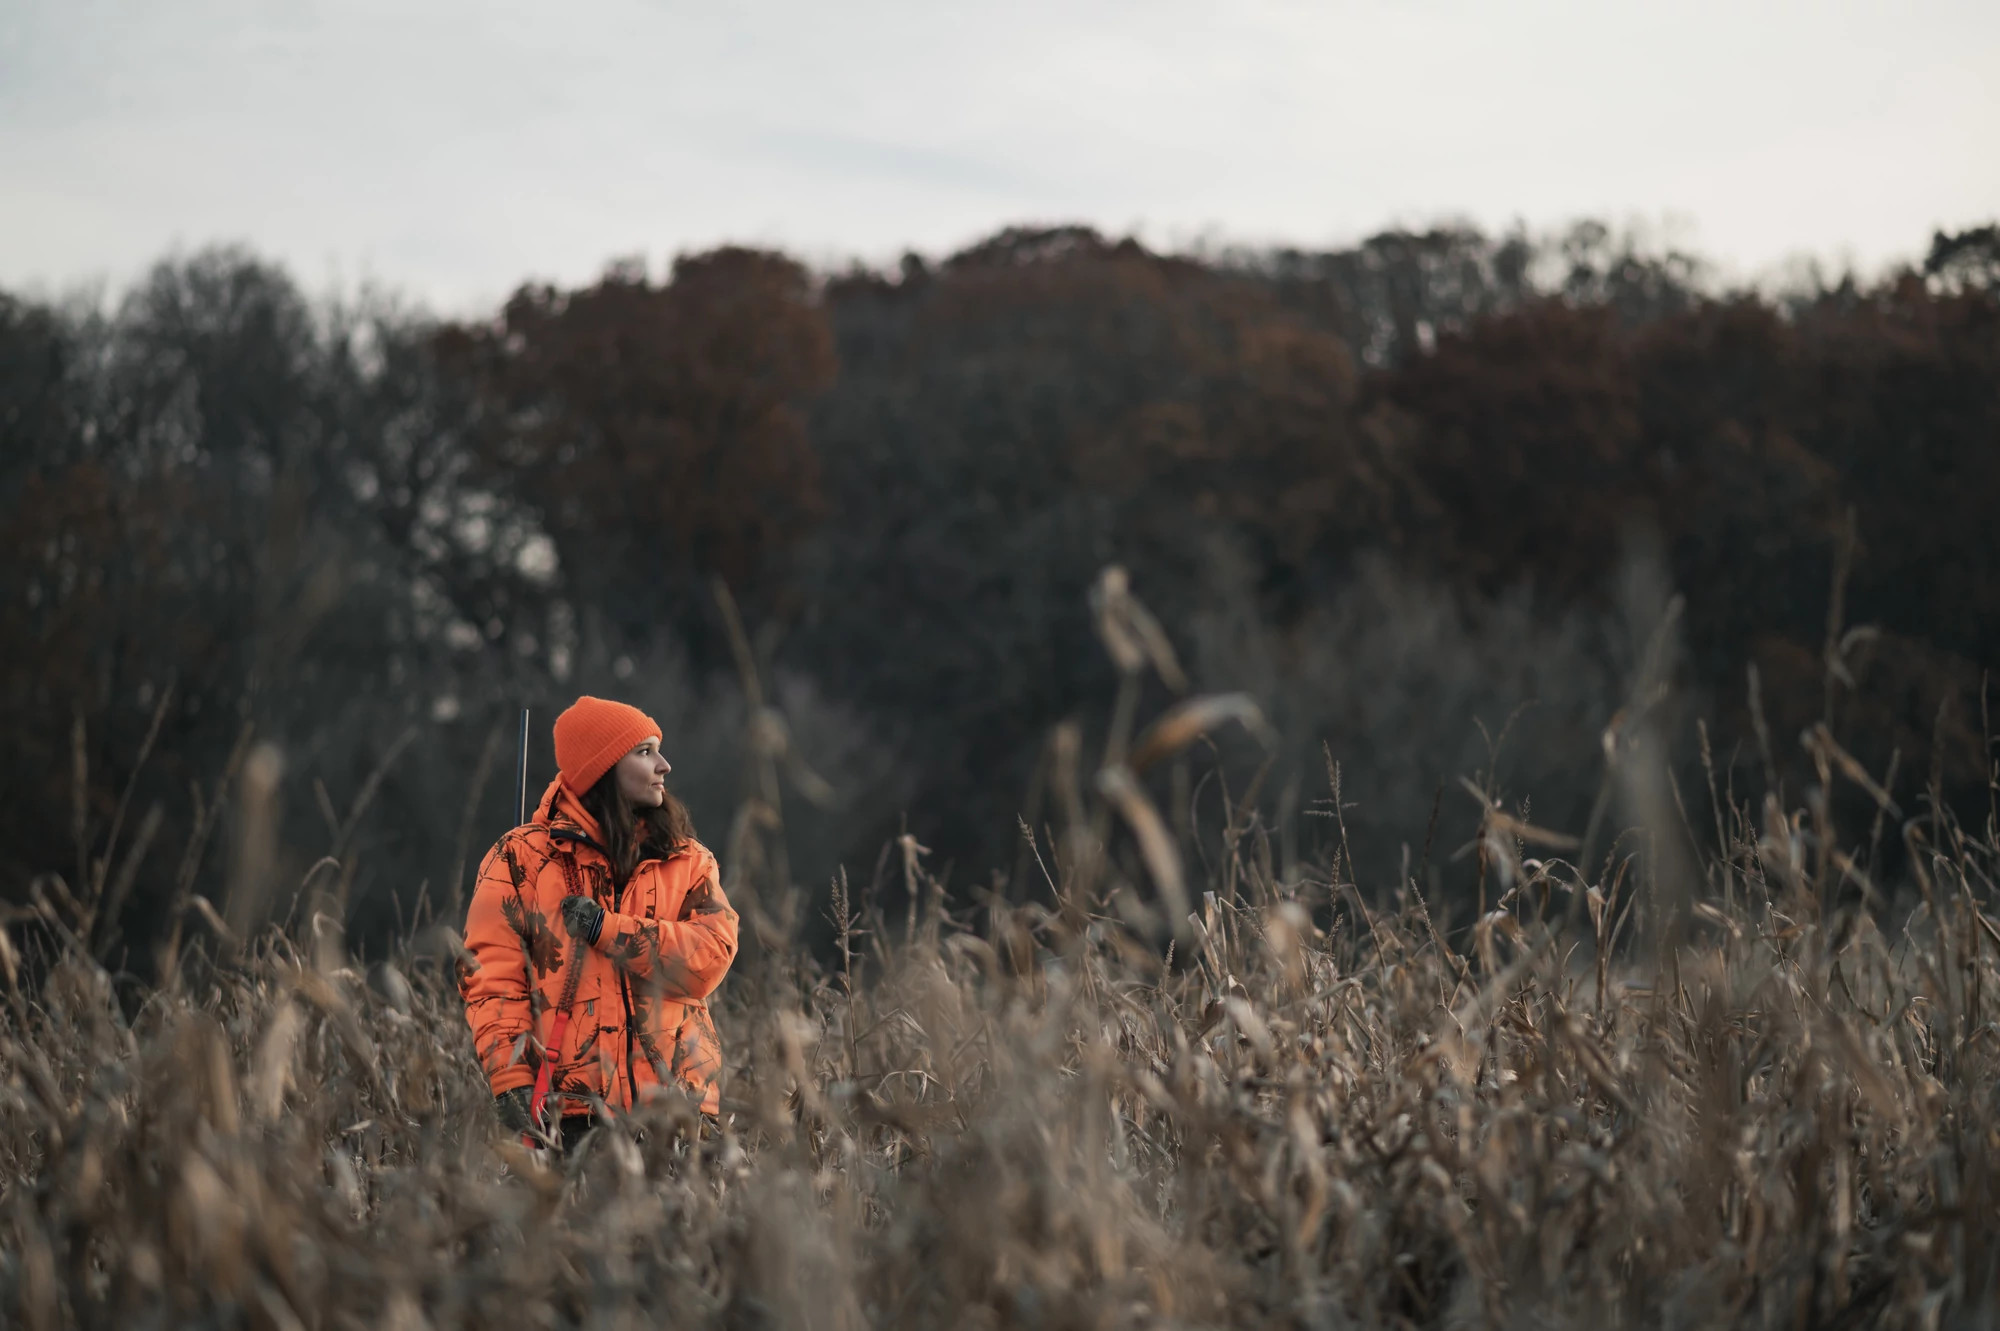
<point>572,973</point>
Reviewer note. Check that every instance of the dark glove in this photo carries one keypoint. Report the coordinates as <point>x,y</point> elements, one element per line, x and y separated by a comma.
<point>512,1107</point>
<point>583,918</point>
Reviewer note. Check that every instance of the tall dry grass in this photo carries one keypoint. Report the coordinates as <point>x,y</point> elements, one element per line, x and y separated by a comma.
<point>1734,1099</point>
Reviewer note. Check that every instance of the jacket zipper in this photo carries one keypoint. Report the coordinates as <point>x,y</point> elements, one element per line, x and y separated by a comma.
<point>625,996</point>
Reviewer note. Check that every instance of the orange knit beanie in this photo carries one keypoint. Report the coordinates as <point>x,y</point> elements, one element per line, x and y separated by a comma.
<point>592,734</point>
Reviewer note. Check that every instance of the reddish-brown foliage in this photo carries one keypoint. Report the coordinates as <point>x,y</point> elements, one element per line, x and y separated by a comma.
<point>657,428</point>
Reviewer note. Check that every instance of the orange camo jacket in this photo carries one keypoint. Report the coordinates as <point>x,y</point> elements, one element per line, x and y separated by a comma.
<point>640,1020</point>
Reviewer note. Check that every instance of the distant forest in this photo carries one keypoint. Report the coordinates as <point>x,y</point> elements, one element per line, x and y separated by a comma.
<point>1408,496</point>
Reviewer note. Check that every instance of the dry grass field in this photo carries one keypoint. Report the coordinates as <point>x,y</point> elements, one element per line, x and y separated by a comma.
<point>1648,1087</point>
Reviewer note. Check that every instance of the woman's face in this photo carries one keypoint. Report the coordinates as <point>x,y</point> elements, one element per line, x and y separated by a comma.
<point>642,776</point>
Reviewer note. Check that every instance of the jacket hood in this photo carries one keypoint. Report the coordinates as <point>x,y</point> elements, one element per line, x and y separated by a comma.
<point>558,808</point>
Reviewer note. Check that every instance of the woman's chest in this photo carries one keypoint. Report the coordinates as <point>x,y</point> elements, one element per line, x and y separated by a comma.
<point>655,891</point>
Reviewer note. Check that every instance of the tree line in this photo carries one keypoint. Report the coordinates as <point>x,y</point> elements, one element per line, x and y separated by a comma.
<point>1409,495</point>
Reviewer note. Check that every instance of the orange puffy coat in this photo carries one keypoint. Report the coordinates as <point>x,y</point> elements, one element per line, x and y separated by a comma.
<point>640,1020</point>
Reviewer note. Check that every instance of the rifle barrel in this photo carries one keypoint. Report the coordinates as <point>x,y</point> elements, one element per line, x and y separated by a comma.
<point>521,774</point>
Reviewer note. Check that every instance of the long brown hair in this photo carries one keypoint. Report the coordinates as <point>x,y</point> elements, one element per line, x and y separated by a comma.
<point>629,834</point>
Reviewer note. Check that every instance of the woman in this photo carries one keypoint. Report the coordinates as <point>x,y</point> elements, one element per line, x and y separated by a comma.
<point>604,888</point>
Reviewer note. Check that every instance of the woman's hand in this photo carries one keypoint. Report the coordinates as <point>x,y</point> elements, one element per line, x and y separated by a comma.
<point>583,918</point>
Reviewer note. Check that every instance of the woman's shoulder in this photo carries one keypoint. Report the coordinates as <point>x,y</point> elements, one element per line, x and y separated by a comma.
<point>694,855</point>
<point>529,841</point>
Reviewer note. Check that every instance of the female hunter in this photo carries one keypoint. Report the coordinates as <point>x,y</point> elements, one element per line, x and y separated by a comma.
<point>605,889</point>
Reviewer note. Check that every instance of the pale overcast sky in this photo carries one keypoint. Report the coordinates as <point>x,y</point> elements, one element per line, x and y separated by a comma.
<point>452,148</point>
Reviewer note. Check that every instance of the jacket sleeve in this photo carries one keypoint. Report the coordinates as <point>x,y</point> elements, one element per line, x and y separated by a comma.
<point>495,985</point>
<point>683,958</point>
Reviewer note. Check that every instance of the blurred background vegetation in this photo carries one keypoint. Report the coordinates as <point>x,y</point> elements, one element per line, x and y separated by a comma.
<point>1408,495</point>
